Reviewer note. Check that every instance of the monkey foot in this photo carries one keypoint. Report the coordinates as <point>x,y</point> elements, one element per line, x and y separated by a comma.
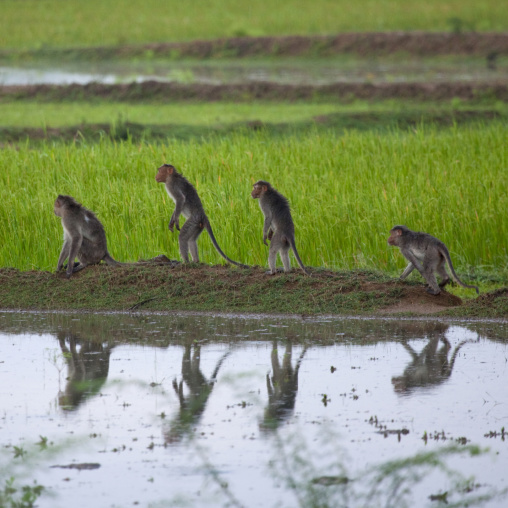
<point>433,291</point>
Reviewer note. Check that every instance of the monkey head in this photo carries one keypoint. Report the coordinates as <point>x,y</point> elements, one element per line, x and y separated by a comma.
<point>395,235</point>
<point>62,203</point>
<point>58,207</point>
<point>165,171</point>
<point>259,188</point>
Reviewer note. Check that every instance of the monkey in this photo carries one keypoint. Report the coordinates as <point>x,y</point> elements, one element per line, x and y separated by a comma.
<point>278,226</point>
<point>84,236</point>
<point>188,204</point>
<point>428,255</point>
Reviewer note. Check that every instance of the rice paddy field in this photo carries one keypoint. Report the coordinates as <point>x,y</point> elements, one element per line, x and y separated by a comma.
<point>65,114</point>
<point>346,193</point>
<point>352,168</point>
<point>36,24</point>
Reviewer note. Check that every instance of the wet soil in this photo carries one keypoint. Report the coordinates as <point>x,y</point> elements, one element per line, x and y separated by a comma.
<point>360,44</point>
<point>171,286</point>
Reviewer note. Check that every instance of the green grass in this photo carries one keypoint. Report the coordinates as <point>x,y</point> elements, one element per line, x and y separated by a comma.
<point>346,192</point>
<point>35,114</point>
<point>58,23</point>
<point>61,114</point>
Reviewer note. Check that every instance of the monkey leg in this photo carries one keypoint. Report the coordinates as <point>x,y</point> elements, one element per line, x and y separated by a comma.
<point>441,271</point>
<point>428,274</point>
<point>272,257</point>
<point>189,234</point>
<point>91,252</point>
<point>78,266</point>
<point>284,255</point>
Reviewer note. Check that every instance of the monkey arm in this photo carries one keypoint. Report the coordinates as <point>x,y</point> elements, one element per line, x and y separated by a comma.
<point>409,268</point>
<point>267,229</point>
<point>75,245</point>
<point>64,254</point>
<point>175,218</point>
<point>408,254</point>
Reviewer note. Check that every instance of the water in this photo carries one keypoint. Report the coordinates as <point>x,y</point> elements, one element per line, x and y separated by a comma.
<point>290,72</point>
<point>193,410</point>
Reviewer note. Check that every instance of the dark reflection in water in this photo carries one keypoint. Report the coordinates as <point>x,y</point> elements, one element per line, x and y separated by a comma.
<point>282,386</point>
<point>161,331</point>
<point>87,368</point>
<point>232,423</point>
<point>431,366</point>
<point>192,405</point>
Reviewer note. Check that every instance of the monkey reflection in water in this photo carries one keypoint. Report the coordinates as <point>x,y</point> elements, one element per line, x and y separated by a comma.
<point>87,369</point>
<point>282,387</point>
<point>430,367</point>
<point>193,405</point>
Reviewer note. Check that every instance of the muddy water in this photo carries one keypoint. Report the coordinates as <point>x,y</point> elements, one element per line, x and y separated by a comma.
<point>234,72</point>
<point>148,410</point>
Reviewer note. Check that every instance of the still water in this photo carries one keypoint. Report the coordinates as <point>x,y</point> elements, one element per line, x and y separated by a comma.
<point>290,72</point>
<point>198,410</point>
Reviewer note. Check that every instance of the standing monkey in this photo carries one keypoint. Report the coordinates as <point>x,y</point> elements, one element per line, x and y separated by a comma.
<point>427,254</point>
<point>278,226</point>
<point>188,204</point>
<point>84,236</point>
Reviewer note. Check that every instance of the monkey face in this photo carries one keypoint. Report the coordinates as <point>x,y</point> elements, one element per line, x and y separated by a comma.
<point>57,208</point>
<point>258,190</point>
<point>394,237</point>
<point>163,172</point>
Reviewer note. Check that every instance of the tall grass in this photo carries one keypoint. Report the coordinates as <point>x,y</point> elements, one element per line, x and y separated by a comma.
<point>39,23</point>
<point>346,193</point>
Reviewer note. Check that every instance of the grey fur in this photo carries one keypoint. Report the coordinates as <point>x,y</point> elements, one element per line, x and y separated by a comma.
<point>428,255</point>
<point>278,226</point>
<point>84,236</point>
<point>188,204</point>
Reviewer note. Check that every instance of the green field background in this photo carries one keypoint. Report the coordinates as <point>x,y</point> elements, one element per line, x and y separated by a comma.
<point>35,24</point>
<point>346,193</point>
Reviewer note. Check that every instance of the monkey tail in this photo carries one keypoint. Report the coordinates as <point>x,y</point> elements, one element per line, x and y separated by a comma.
<point>110,261</point>
<point>446,254</point>
<point>293,246</point>
<point>216,245</point>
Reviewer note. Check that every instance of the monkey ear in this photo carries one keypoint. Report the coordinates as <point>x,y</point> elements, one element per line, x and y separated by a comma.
<point>265,188</point>
<point>170,170</point>
<point>398,232</point>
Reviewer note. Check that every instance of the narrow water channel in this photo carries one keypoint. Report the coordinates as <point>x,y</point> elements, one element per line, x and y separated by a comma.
<point>287,72</point>
<point>193,410</point>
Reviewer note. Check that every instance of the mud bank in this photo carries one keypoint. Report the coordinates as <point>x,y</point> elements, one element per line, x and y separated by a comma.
<point>155,91</point>
<point>359,44</point>
<point>225,289</point>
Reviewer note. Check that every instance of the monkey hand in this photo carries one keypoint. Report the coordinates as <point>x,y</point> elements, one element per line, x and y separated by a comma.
<point>175,220</point>
<point>264,239</point>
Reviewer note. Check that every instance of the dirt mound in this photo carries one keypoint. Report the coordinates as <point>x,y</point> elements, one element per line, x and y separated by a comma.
<point>168,286</point>
<point>417,301</point>
<point>361,44</point>
<point>247,92</point>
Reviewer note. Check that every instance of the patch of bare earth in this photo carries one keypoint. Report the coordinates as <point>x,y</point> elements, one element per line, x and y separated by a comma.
<point>416,300</point>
